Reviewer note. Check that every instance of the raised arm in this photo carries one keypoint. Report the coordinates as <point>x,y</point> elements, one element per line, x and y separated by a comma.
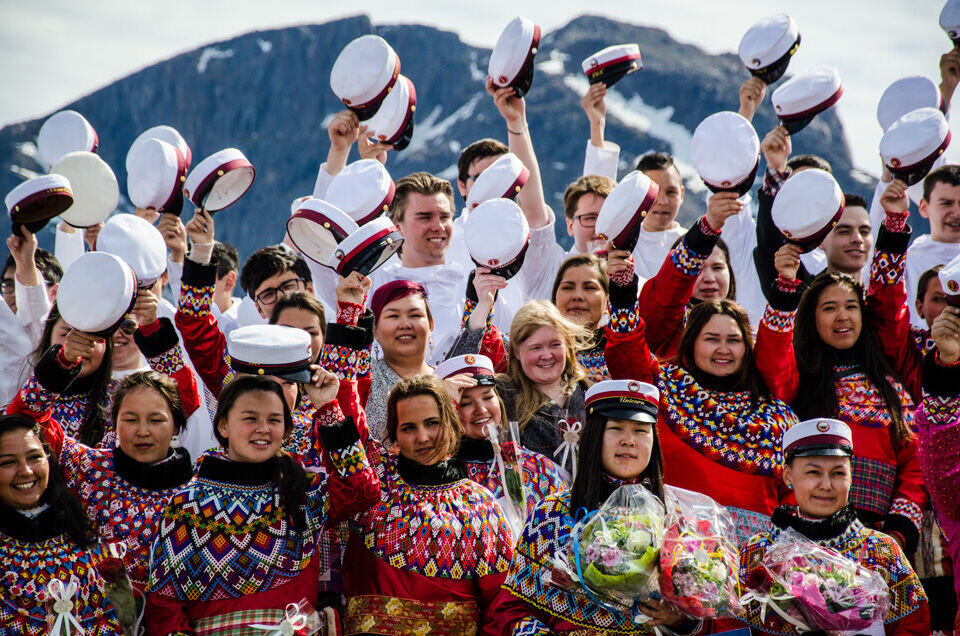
<point>773,350</point>
<point>342,129</point>
<point>601,157</point>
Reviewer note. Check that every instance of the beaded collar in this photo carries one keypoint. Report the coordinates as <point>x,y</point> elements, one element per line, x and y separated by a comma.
<point>175,470</point>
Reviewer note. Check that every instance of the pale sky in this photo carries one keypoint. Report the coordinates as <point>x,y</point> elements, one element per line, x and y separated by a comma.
<point>54,51</point>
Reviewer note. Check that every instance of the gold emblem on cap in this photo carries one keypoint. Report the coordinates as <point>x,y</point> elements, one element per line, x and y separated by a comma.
<point>469,359</point>
<point>895,162</point>
<point>389,241</point>
<point>183,178</point>
<point>517,188</point>
<point>219,173</point>
<point>259,371</point>
<point>634,387</point>
<point>326,224</point>
<point>385,207</point>
<point>16,208</point>
<point>953,286</point>
<point>339,255</point>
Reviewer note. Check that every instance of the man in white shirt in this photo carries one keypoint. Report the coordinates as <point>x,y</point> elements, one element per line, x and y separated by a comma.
<point>29,286</point>
<point>940,204</point>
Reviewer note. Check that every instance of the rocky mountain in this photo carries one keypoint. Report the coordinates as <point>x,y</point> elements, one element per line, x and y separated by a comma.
<point>268,94</point>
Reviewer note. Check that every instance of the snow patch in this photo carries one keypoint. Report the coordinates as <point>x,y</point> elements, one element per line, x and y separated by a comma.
<point>475,73</point>
<point>30,150</point>
<point>265,45</point>
<point>432,127</point>
<point>449,173</point>
<point>24,173</point>
<point>212,53</point>
<point>454,146</point>
<point>554,64</point>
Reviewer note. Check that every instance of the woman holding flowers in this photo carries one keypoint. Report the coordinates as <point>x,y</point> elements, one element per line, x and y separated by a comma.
<point>818,469</point>
<point>619,446</point>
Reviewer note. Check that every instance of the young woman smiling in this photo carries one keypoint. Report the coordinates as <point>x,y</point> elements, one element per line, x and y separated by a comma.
<point>45,535</point>
<point>434,551</point>
<point>818,468</point>
<point>824,359</point>
<point>124,489</point>
<point>719,425</point>
<point>479,406</point>
<point>239,542</point>
<point>74,373</point>
<point>620,445</point>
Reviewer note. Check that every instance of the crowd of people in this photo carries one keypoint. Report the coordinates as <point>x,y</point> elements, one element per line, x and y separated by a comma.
<point>340,452</point>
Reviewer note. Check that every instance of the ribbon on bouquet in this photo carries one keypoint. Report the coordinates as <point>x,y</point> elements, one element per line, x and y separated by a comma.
<point>768,600</point>
<point>293,621</point>
<point>66,623</point>
<point>569,448</point>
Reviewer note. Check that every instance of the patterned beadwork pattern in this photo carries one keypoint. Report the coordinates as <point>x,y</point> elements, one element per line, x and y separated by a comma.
<point>350,460</point>
<point>723,427</point>
<point>392,615</point>
<point>922,340</point>
<point>624,320</point>
<point>548,526</point>
<point>195,301</point>
<point>686,260</point>
<point>345,362</point>
<point>906,508</point>
<point>888,267</point>
<point>594,363</point>
<point>25,570</point>
<point>777,320</point>
<point>300,442</point>
<point>541,477</point>
<point>453,531</point>
<point>941,410</point>
<point>220,540</point>
<point>530,627</point>
<point>874,550</point>
<point>468,307</point>
<point>120,511</point>
<point>168,362</point>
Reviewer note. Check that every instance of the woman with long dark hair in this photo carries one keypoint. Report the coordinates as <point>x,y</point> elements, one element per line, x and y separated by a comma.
<point>124,489</point>
<point>818,352</point>
<point>239,542</point>
<point>620,445</point>
<point>45,536</point>
<point>431,556</point>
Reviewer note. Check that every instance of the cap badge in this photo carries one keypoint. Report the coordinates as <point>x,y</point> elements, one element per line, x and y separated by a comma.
<point>347,102</point>
<point>953,286</point>
<point>895,162</point>
<point>502,79</point>
<point>493,262</point>
<point>259,371</point>
<point>756,61</point>
<point>633,387</point>
<point>822,426</point>
<point>469,359</point>
<point>339,255</point>
<point>593,62</point>
<point>725,184</point>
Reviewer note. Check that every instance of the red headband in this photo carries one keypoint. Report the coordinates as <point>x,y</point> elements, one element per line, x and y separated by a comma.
<point>394,290</point>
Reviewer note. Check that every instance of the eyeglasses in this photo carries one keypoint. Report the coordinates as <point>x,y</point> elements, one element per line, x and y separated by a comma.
<point>129,326</point>
<point>473,177</point>
<point>587,220</point>
<point>269,296</point>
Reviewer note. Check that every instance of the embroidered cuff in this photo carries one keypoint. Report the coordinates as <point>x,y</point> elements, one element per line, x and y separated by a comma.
<point>688,261</point>
<point>706,228</point>
<point>196,288</point>
<point>35,396</point>
<point>906,526</point>
<point>624,295</point>
<point>168,362</point>
<point>530,626</point>
<point>785,294</point>
<point>160,341</point>
<point>341,442</point>
<point>468,307</point>
<point>895,221</point>
<point>773,180</point>
<point>777,320</point>
<point>888,267</point>
<point>906,508</point>
<point>349,313</point>
<point>345,362</point>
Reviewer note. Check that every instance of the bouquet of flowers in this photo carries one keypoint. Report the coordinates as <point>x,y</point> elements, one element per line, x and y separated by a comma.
<point>699,560</point>
<point>615,551</point>
<point>507,452</point>
<point>817,588</point>
<point>118,589</point>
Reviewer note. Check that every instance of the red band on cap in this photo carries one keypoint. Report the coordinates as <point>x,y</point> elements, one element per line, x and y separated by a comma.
<point>38,196</point>
<point>819,440</point>
<point>207,183</point>
<point>648,200</point>
<point>819,108</point>
<point>377,211</point>
<point>936,153</point>
<point>619,60</point>
<point>382,94</point>
<point>321,219</point>
<point>411,106</point>
<point>518,184</point>
<point>623,394</point>
<point>181,172</point>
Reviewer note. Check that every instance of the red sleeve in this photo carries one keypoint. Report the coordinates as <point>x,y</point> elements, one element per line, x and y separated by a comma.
<point>352,485</point>
<point>887,303</point>
<point>773,352</point>
<point>916,623</point>
<point>628,356</point>
<point>492,346</point>
<point>488,591</point>
<point>164,615</point>
<point>511,612</point>
<point>161,346</point>
<point>909,487</point>
<point>204,341</point>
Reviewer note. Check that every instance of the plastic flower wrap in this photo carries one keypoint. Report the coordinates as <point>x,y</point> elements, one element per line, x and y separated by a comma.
<point>513,502</point>
<point>699,559</point>
<point>615,552</point>
<point>817,588</point>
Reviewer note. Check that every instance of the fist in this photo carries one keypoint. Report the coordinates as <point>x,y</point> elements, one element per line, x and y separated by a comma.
<point>720,207</point>
<point>945,332</point>
<point>776,148</point>
<point>457,384</point>
<point>343,129</point>
<point>593,103</point>
<point>353,288</point>
<point>894,198</point>
<point>323,386</point>
<point>78,345</point>
<point>618,261</point>
<point>487,285</point>
<point>145,307</point>
<point>787,261</point>
<point>751,96</point>
<point>200,227</point>
<point>174,235</point>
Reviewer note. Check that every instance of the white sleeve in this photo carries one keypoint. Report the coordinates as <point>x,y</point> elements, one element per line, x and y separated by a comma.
<point>323,181</point>
<point>33,305</point>
<point>68,247</point>
<point>175,270</point>
<point>541,263</point>
<point>602,161</point>
<point>740,234</point>
<point>15,348</point>
<point>877,215</point>
<point>324,288</point>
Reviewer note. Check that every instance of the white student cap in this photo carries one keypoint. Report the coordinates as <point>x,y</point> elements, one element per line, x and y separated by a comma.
<point>807,207</point>
<point>393,122</point>
<point>274,350</point>
<point>367,248</point>
<point>63,133</point>
<point>624,400</point>
<point>511,61</point>
<point>906,95</point>
<point>503,179</point>
<point>317,228</point>
<point>802,97</point>
<point>612,64</point>
<point>725,151</point>
<point>497,236</point>
<point>156,172</point>
<point>138,243</point>
<point>94,186</point>
<point>913,143</point>
<point>96,292</point>
<point>219,180</point>
<point>767,46</point>
<point>364,73</point>
<point>364,190</point>
<point>623,210</point>
<point>37,200</point>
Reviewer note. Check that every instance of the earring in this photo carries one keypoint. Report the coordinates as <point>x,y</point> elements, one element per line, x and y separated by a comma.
<point>790,486</point>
